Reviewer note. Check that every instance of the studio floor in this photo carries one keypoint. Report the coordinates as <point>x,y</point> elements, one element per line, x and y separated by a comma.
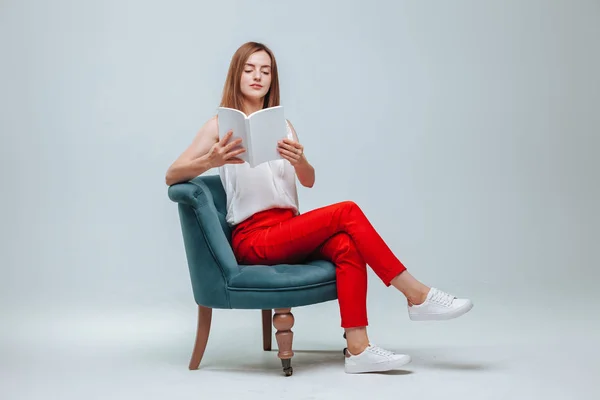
<point>544,348</point>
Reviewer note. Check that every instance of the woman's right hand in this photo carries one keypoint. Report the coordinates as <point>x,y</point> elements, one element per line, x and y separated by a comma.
<point>222,152</point>
<point>205,152</point>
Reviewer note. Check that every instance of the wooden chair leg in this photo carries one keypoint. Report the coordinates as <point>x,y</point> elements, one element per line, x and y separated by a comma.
<point>283,320</point>
<point>204,320</point>
<point>267,328</point>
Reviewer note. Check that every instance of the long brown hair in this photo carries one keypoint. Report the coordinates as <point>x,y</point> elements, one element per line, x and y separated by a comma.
<point>232,94</point>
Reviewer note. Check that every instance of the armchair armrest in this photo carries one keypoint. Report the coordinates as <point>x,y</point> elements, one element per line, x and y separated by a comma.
<point>185,193</point>
<point>210,258</point>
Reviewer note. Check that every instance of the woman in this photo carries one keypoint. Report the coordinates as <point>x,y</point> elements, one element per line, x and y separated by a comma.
<point>262,208</point>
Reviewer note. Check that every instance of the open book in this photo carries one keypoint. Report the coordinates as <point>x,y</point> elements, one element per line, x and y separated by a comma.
<point>260,132</point>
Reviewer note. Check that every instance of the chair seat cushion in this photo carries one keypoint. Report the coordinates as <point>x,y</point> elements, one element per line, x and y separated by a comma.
<point>283,277</point>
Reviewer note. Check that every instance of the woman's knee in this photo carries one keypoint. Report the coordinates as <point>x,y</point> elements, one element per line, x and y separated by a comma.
<point>350,207</point>
<point>348,204</point>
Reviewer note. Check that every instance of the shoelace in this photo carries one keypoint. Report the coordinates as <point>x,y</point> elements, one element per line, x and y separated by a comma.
<point>442,298</point>
<point>382,352</point>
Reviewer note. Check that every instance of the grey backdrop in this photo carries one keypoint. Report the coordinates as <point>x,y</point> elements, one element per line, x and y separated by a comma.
<point>466,130</point>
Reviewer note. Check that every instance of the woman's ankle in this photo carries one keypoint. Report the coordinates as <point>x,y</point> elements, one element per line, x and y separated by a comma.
<point>417,297</point>
<point>356,349</point>
<point>414,291</point>
<point>357,340</point>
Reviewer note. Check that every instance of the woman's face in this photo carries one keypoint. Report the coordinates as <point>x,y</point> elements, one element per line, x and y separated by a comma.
<point>256,76</point>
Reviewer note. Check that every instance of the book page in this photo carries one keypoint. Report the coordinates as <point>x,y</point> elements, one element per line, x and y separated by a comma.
<point>232,119</point>
<point>267,127</point>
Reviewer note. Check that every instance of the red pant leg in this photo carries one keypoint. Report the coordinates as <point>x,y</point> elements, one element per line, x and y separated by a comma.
<point>351,278</point>
<point>272,239</point>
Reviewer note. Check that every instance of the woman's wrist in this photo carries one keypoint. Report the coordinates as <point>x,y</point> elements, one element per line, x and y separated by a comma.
<point>305,172</point>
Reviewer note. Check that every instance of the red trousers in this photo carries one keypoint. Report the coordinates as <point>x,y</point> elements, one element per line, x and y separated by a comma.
<point>340,233</point>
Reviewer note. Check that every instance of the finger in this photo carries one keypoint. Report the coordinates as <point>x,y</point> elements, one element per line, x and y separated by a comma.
<point>293,146</point>
<point>288,142</point>
<point>289,154</point>
<point>225,138</point>
<point>235,153</point>
<point>233,144</point>
<point>287,158</point>
<point>289,147</point>
<point>234,160</point>
<point>292,142</point>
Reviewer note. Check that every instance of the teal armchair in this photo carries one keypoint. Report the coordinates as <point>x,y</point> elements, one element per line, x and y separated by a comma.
<point>218,281</point>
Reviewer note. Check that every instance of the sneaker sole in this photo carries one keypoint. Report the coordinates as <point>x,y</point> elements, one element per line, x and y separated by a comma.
<point>379,367</point>
<point>442,317</point>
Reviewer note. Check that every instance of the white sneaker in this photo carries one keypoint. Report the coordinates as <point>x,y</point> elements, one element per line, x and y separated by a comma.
<point>374,359</point>
<point>439,306</point>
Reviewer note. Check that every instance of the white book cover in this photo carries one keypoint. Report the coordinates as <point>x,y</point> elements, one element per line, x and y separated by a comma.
<point>259,131</point>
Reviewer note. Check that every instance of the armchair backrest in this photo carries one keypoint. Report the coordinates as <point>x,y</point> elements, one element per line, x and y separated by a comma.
<point>207,238</point>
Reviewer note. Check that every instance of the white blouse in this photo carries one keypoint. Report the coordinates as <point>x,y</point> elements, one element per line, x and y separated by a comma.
<point>251,190</point>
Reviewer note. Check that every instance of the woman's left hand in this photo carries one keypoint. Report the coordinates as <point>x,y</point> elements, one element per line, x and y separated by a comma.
<point>291,151</point>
